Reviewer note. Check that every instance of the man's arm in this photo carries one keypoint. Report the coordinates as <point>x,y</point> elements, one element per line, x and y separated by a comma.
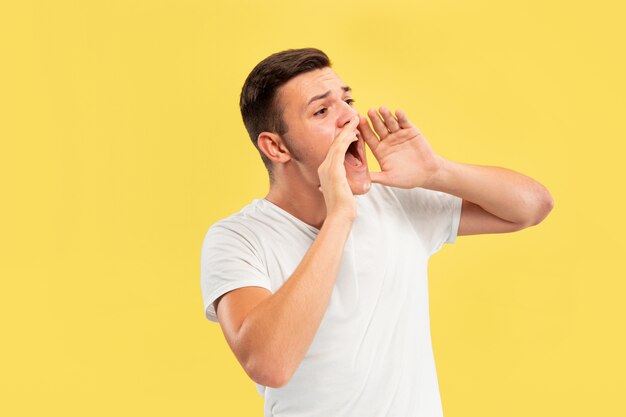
<point>495,200</point>
<point>271,339</point>
<point>270,334</point>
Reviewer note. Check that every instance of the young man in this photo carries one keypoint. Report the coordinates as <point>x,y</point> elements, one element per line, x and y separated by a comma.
<point>321,287</point>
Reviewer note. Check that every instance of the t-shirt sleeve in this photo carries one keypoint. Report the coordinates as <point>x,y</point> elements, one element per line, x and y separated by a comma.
<point>229,260</point>
<point>435,215</point>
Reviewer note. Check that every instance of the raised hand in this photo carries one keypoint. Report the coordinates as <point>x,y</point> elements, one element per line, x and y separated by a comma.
<point>332,173</point>
<point>406,159</point>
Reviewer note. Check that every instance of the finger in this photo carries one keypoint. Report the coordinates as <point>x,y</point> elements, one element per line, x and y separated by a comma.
<point>377,122</point>
<point>367,133</point>
<point>403,120</point>
<point>346,136</point>
<point>390,120</point>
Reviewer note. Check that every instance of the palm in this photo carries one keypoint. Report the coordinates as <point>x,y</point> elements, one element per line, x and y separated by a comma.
<point>406,159</point>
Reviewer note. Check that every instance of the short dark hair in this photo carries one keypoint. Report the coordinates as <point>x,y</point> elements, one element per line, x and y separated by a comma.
<point>259,101</point>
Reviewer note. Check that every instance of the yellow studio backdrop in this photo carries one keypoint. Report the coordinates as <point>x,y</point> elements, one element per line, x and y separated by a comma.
<point>122,143</point>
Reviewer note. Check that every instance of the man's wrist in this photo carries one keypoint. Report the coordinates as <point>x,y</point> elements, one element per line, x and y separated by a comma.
<point>440,179</point>
<point>338,220</point>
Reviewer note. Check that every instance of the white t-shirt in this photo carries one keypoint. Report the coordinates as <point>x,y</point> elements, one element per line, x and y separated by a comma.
<point>372,354</point>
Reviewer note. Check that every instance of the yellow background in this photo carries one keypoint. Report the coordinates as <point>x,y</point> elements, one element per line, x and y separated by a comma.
<point>122,143</point>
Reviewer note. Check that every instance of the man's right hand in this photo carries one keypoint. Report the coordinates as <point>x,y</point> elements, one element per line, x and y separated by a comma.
<point>332,173</point>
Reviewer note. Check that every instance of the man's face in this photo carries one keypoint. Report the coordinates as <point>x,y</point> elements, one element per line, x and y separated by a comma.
<point>316,105</point>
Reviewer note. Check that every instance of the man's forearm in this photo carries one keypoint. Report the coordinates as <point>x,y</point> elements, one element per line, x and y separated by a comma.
<point>278,332</point>
<point>507,194</point>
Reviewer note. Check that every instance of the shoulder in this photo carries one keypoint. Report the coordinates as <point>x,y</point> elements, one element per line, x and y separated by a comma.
<point>238,227</point>
<point>404,195</point>
<point>414,200</point>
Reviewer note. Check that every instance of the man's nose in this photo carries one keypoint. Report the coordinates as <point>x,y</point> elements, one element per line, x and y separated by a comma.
<point>348,114</point>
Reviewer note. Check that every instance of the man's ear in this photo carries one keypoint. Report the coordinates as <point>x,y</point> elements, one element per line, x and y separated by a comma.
<point>273,147</point>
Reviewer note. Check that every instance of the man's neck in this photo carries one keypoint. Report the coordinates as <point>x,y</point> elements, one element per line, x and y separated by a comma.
<point>305,204</point>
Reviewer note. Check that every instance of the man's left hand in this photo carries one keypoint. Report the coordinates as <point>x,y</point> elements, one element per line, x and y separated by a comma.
<point>406,159</point>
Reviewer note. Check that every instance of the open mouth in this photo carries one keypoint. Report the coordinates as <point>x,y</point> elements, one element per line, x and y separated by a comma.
<point>354,154</point>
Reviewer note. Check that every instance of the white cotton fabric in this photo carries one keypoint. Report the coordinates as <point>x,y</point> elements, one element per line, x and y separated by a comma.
<point>372,354</point>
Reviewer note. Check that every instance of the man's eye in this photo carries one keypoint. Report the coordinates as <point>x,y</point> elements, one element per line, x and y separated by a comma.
<point>350,101</point>
<point>319,111</point>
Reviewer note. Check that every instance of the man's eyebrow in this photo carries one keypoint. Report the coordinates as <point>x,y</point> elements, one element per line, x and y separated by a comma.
<point>345,88</point>
<point>318,97</point>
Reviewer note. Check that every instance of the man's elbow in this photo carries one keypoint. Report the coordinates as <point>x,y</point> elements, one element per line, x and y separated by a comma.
<point>544,205</point>
<point>269,373</point>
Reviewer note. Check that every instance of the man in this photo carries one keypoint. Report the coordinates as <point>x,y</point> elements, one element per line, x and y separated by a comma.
<point>320,288</point>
